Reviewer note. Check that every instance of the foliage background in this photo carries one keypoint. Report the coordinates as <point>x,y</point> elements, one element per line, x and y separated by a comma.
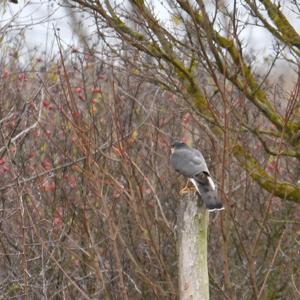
<point>88,200</point>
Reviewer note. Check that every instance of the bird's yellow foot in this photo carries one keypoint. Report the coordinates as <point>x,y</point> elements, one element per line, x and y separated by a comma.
<point>184,191</point>
<point>189,188</point>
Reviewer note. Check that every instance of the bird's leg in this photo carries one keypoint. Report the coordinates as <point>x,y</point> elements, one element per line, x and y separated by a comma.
<point>188,188</point>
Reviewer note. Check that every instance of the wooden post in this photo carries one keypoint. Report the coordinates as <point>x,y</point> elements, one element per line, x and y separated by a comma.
<point>192,243</point>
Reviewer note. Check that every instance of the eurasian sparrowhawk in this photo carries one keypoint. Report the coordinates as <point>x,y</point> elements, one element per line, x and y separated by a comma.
<point>190,163</point>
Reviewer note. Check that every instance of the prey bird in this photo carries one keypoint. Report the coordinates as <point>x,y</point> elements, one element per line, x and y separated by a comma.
<point>190,163</point>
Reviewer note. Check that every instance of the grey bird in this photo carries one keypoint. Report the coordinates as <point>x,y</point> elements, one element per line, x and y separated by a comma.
<point>190,163</point>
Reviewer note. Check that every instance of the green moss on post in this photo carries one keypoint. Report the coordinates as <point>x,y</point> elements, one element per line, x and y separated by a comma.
<point>192,249</point>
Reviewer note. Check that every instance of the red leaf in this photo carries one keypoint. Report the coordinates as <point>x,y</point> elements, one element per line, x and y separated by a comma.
<point>49,185</point>
<point>46,103</point>
<point>58,219</point>
<point>72,181</point>
<point>47,164</point>
<point>6,169</point>
<point>78,90</point>
<point>22,77</point>
<point>97,90</point>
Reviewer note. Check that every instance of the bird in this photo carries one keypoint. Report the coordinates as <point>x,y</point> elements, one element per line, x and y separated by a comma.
<point>190,163</point>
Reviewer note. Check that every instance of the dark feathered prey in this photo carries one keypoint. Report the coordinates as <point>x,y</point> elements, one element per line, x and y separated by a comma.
<point>190,163</point>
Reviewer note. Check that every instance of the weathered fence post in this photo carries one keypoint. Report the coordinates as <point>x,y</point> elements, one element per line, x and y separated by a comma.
<point>192,246</point>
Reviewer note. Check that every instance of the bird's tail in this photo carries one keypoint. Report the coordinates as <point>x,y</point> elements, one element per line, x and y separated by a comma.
<point>212,201</point>
<point>208,192</point>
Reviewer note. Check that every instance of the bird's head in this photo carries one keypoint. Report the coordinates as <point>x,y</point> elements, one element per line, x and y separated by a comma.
<point>178,145</point>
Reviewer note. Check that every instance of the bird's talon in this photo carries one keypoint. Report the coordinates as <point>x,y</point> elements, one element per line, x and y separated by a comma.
<point>187,190</point>
<point>184,191</point>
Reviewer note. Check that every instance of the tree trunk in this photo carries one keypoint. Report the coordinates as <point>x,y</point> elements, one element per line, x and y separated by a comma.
<point>192,243</point>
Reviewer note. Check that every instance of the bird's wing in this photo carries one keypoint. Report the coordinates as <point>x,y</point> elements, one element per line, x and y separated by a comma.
<point>199,160</point>
<point>188,162</point>
<point>182,161</point>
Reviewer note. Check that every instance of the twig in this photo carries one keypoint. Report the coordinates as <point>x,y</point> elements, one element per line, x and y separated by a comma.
<point>26,130</point>
<point>271,266</point>
<point>133,282</point>
<point>155,195</point>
